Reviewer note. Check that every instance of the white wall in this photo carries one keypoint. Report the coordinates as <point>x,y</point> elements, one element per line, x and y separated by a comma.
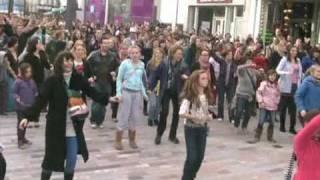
<point>248,24</point>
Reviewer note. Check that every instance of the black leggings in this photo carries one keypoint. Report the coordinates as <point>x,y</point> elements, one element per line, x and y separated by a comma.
<point>3,166</point>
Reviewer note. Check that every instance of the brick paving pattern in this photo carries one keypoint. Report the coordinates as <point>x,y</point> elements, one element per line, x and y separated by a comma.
<point>228,155</point>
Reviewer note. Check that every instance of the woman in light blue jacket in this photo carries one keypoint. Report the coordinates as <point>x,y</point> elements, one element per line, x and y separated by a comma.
<point>290,72</point>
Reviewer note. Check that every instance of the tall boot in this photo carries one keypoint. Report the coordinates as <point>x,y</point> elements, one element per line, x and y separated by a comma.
<point>118,143</point>
<point>45,174</point>
<point>132,139</point>
<point>68,176</point>
<point>258,133</point>
<point>270,134</point>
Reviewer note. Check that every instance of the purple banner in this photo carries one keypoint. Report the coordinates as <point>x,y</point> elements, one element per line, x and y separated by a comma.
<point>142,10</point>
<point>95,11</point>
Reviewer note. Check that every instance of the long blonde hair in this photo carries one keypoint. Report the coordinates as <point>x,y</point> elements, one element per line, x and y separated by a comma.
<point>155,62</point>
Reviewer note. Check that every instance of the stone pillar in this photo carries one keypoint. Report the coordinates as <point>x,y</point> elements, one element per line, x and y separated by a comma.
<point>228,18</point>
<point>70,15</point>
<point>196,19</point>
<point>190,19</point>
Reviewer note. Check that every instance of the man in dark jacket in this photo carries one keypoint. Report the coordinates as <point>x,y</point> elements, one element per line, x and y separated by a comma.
<point>102,63</point>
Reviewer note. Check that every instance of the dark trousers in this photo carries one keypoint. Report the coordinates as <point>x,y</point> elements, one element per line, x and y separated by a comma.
<point>196,141</point>
<point>114,108</point>
<point>173,95</point>
<point>3,167</point>
<point>98,110</point>
<point>3,97</point>
<point>243,109</point>
<point>222,91</point>
<point>21,133</point>
<point>287,102</point>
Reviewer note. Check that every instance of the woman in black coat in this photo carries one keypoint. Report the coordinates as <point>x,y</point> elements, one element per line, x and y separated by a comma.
<point>38,60</point>
<point>56,92</point>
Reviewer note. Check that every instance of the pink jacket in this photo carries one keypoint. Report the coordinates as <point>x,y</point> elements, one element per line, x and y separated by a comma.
<point>307,151</point>
<point>268,96</point>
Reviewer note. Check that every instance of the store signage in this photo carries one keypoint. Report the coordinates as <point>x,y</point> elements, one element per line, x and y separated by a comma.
<point>214,1</point>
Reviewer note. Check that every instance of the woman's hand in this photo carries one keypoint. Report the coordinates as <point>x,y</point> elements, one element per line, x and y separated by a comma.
<point>23,124</point>
<point>117,99</point>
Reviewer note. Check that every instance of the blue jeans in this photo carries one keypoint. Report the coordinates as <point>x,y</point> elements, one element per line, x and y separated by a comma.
<point>71,154</point>
<point>98,111</point>
<point>196,141</point>
<point>154,107</point>
<point>243,109</point>
<point>267,116</point>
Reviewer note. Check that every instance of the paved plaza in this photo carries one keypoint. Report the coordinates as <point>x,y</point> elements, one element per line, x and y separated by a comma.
<point>228,155</point>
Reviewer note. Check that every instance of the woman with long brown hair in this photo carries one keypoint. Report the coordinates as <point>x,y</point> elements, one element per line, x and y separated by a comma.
<point>196,95</point>
<point>290,72</point>
<point>154,103</point>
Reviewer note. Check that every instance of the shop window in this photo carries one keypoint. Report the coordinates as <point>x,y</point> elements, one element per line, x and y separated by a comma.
<point>239,11</point>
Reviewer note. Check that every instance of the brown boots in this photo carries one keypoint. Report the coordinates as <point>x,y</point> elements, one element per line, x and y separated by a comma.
<point>258,134</point>
<point>132,140</point>
<point>118,144</point>
<point>270,134</point>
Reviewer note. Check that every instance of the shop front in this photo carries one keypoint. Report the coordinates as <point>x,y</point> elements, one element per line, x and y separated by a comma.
<point>298,18</point>
<point>219,16</point>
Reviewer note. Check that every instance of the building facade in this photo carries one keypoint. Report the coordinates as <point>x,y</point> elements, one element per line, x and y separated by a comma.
<point>238,17</point>
<point>298,18</point>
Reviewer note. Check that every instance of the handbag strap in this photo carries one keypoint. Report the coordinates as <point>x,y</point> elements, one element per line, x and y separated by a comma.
<point>288,175</point>
<point>251,80</point>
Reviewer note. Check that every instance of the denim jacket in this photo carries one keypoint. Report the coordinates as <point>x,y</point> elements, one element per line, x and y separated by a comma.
<point>284,71</point>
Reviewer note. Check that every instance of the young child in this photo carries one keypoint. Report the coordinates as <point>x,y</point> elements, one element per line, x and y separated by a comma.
<point>268,98</point>
<point>194,110</point>
<point>24,91</point>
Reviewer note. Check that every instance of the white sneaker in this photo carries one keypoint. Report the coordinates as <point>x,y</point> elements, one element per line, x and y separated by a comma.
<point>93,126</point>
<point>220,119</point>
<point>232,122</point>
<point>101,126</point>
<point>114,120</point>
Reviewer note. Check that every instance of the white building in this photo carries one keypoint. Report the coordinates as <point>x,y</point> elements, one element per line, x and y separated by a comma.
<point>238,17</point>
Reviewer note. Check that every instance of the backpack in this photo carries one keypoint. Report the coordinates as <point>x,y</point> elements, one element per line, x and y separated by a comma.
<point>3,68</point>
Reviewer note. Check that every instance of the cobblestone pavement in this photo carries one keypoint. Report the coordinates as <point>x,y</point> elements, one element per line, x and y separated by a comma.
<point>228,155</point>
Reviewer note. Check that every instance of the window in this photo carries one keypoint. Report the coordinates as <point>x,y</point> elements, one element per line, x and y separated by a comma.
<point>239,11</point>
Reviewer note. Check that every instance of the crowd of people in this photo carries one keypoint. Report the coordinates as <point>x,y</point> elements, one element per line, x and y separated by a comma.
<point>139,69</point>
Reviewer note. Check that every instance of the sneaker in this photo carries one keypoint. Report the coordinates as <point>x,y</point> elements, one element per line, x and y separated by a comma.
<point>157,141</point>
<point>293,131</point>
<point>36,125</point>
<point>150,122</point>
<point>101,126</point>
<point>21,145</point>
<point>93,126</point>
<point>220,119</point>
<point>283,130</point>
<point>114,120</point>
<point>156,122</point>
<point>26,141</point>
<point>232,122</point>
<point>174,140</point>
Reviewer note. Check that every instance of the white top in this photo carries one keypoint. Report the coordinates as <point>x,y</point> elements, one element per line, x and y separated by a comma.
<point>202,111</point>
<point>70,132</point>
